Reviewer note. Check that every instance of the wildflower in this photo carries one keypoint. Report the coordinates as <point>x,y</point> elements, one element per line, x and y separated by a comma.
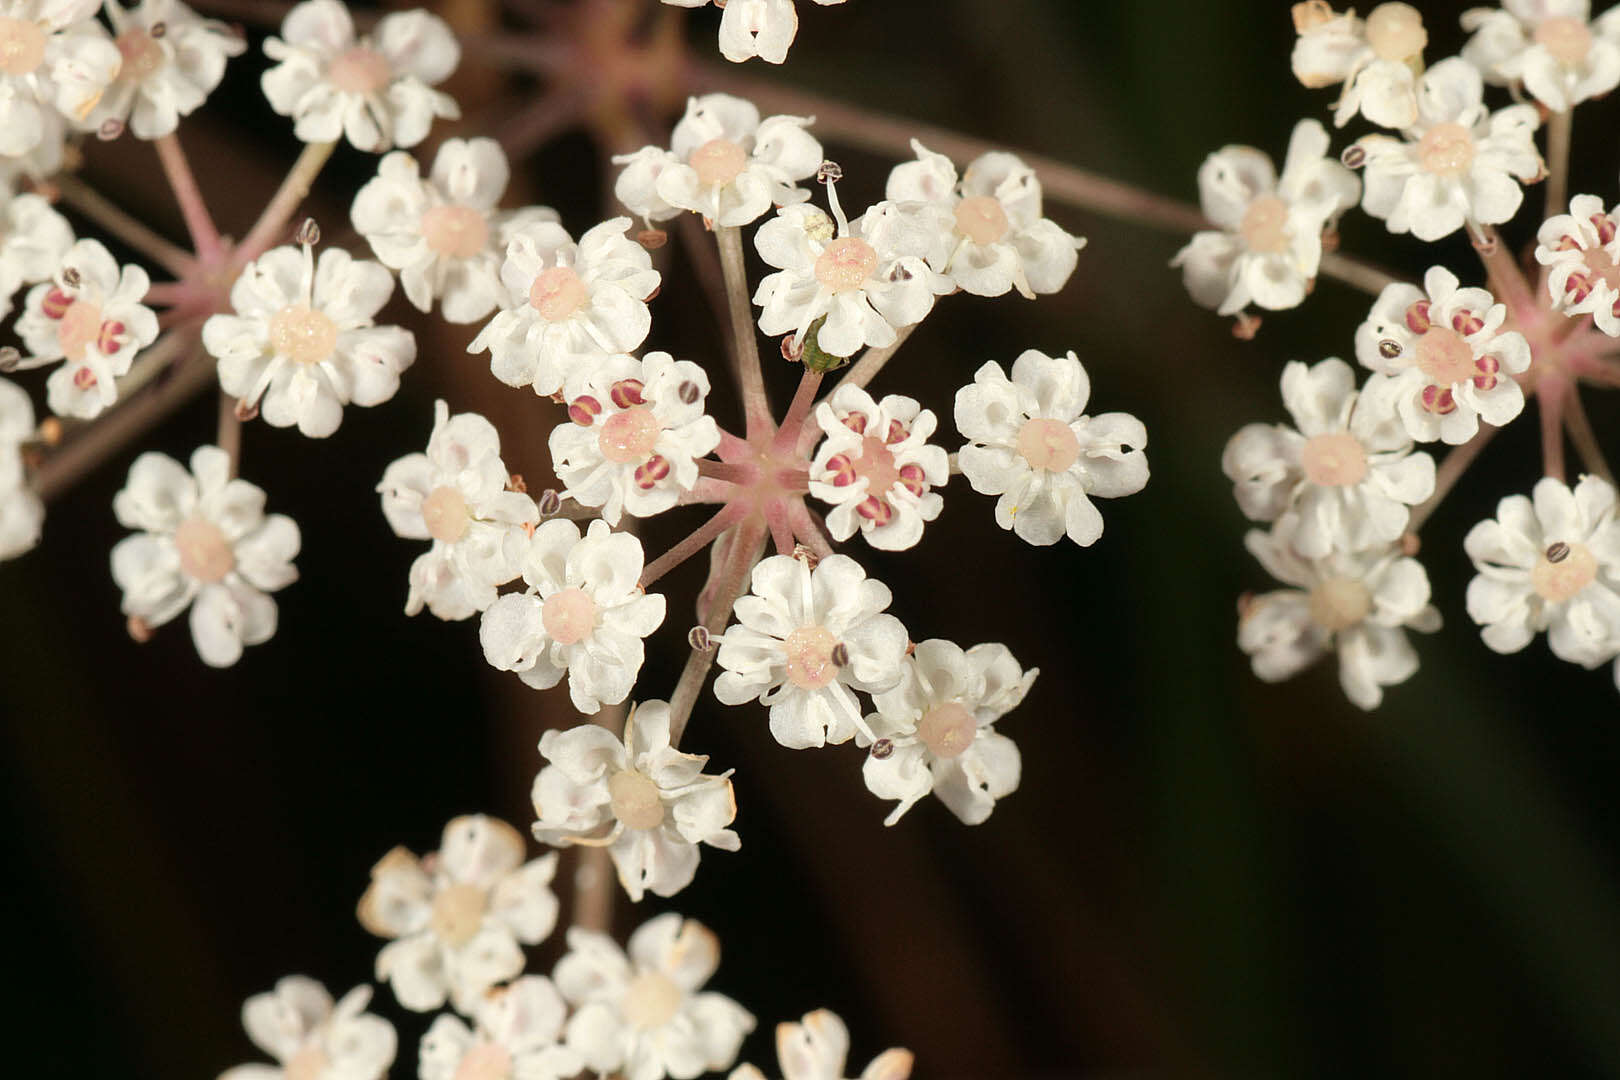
<point>877,468</point>
<point>1581,250</point>
<point>172,61</point>
<point>22,514</point>
<point>516,1033</point>
<point>750,28</point>
<point>33,240</point>
<point>817,1048</point>
<point>1376,59</point>
<point>1548,47</point>
<point>58,59</point>
<point>309,1037</point>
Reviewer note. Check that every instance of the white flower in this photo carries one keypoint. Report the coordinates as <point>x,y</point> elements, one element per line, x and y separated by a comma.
<point>172,61</point>
<point>57,58</point>
<point>1376,60</point>
<point>1348,472</point>
<point>877,468</point>
<point>444,234</point>
<point>638,428</point>
<point>459,914</point>
<point>1460,162</point>
<point>584,614</point>
<point>817,1049</point>
<point>33,240</point>
<point>517,1030</point>
<point>723,163</point>
<point>303,338</point>
<point>44,160</point>
<point>1550,562</point>
<point>91,317</point>
<point>311,1039</point>
<point>573,303</point>
<point>456,495</point>
<point>1356,604</point>
<point>1445,356</point>
<point>749,28</point>
<point>22,514</point>
<point>936,730</point>
<point>994,238</point>
<point>647,802</point>
<point>204,538</point>
<point>1581,250</point>
<point>376,90</point>
<point>1269,245</point>
<point>641,1015</point>
<point>803,641</point>
<point>1548,47</point>
<point>1032,444</point>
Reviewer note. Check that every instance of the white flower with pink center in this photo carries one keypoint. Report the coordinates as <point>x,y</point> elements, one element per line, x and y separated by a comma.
<point>1581,250</point>
<point>993,237</point>
<point>936,730</point>
<point>637,428</point>
<point>806,639</point>
<point>1548,47</point>
<point>1376,59</point>
<point>33,240</point>
<point>818,1047</point>
<point>460,915</point>
<point>1550,562</point>
<point>1268,245</point>
<point>584,614</point>
<point>205,543</point>
<point>516,1033</point>
<point>444,233</point>
<point>303,341</point>
<point>376,89</point>
<point>89,317</point>
<point>54,58</point>
<point>22,513</point>
<point>1458,163</point>
<point>1346,470</point>
<point>1357,605</point>
<point>1031,444</point>
<point>311,1038</point>
<point>644,1016</point>
<point>1445,359</point>
<point>572,303</point>
<point>750,28</point>
<point>649,804</point>
<point>172,61</point>
<point>457,496</point>
<point>877,469</point>
<point>44,160</point>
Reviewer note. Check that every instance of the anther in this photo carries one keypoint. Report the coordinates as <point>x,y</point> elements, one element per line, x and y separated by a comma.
<point>840,655</point>
<point>1558,552</point>
<point>157,31</point>
<point>110,129</point>
<point>830,172</point>
<point>246,411</point>
<point>805,555</point>
<point>308,233</point>
<point>1354,157</point>
<point>882,749</point>
<point>792,348</point>
<point>550,502</point>
<point>1389,348</point>
<point>72,277</point>
<point>698,638</point>
<point>688,392</point>
<point>515,483</point>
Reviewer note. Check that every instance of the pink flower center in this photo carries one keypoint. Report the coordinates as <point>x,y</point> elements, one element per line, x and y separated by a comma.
<point>947,729</point>
<point>1336,460</point>
<point>22,46</point>
<point>485,1061</point>
<point>718,161</point>
<point>204,554</point>
<point>1395,31</point>
<point>1048,444</point>
<point>79,329</point>
<point>142,56</point>
<point>635,800</point>
<point>629,435</point>
<point>302,334</point>
<point>651,1000</point>
<point>557,293</point>
<point>1265,225</point>
<point>569,616</point>
<point>845,264</point>
<point>876,463</point>
<point>1446,150</point>
<point>809,652</point>
<point>359,71</point>
<point>444,512</point>
<point>308,1064</point>
<point>458,912</point>
<point>1558,580</point>
<point>458,232</point>
<point>981,219</point>
<point>1566,39</point>
<point>1339,603</point>
<point>1444,356</point>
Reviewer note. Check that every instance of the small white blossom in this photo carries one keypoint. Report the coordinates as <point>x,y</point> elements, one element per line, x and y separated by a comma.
<point>1269,244</point>
<point>57,58</point>
<point>642,1015</point>
<point>1032,445</point>
<point>456,495</point>
<point>584,614</point>
<point>205,543</point>
<point>1581,250</point>
<point>44,160</point>
<point>647,802</point>
<point>459,914</point>
<point>572,303</point>
<point>22,514</point>
<point>804,640</point>
<point>750,28</point>
<point>817,1049</point>
<point>1550,562</point>
<point>91,318</point>
<point>517,1032</point>
<point>172,61</point>
<point>33,240</point>
<point>311,1039</point>
<point>1359,605</point>
<point>1376,59</point>
<point>303,338</point>
<point>1348,472</point>
<point>936,730</point>
<point>1548,47</point>
<point>1459,163</point>
<point>377,90</point>
<point>877,468</point>
<point>1445,357</point>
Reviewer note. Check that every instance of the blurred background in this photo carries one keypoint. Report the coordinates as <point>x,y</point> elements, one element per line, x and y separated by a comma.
<point>1201,875</point>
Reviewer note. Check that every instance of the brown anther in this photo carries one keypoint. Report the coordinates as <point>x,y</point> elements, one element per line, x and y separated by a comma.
<point>157,31</point>
<point>246,411</point>
<point>882,749</point>
<point>109,130</point>
<point>830,172</point>
<point>698,638</point>
<point>50,431</point>
<point>1410,545</point>
<point>1354,157</point>
<point>806,556</point>
<point>72,277</point>
<point>139,631</point>
<point>839,655</point>
<point>1557,552</point>
<point>792,349</point>
<point>308,232</point>
<point>549,502</point>
<point>515,483</point>
<point>652,239</point>
<point>1389,348</point>
<point>688,392</point>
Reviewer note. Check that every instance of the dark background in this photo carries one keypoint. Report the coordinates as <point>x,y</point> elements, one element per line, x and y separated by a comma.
<point>1201,875</point>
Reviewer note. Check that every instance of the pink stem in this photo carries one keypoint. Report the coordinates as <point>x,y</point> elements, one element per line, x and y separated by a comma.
<point>204,236</point>
<point>1581,434</point>
<point>725,471</point>
<point>229,438</point>
<point>1551,392</point>
<point>756,407</point>
<point>810,529</point>
<point>268,229</point>
<point>1502,272</point>
<point>696,542</point>
<point>776,516</point>
<point>798,411</point>
<point>1450,471</point>
<point>728,581</point>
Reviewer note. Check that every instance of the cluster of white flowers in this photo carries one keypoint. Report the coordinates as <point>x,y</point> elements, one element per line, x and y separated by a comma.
<point>22,514</point>
<point>750,28</point>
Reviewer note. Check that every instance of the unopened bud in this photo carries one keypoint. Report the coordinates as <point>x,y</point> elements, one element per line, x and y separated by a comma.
<point>698,638</point>
<point>652,239</point>
<point>830,172</point>
<point>308,233</point>
<point>549,502</point>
